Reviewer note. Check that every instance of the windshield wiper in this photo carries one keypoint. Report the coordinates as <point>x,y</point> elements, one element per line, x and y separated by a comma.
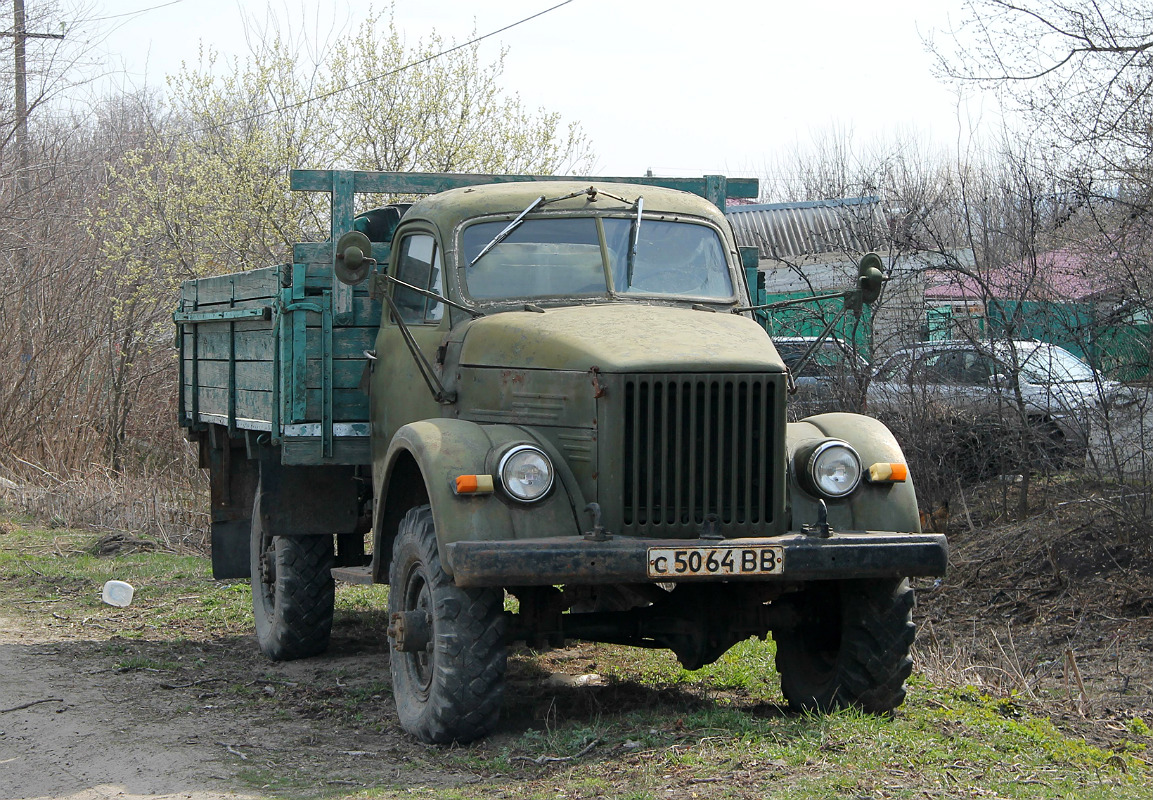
<point>590,192</point>
<point>635,239</point>
<point>508,229</point>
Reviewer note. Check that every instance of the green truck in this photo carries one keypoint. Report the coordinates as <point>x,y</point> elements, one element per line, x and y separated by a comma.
<point>553,390</point>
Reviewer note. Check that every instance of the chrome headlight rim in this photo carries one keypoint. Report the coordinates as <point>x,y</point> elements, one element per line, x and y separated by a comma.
<point>813,462</point>
<point>506,480</point>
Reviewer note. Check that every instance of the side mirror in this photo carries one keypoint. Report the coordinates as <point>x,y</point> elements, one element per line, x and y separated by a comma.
<point>353,258</point>
<point>870,278</point>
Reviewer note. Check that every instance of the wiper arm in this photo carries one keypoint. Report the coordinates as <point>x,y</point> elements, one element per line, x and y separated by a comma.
<point>636,237</point>
<point>590,193</point>
<point>508,229</point>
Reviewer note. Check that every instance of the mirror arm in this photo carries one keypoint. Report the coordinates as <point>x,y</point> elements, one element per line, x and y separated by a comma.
<point>803,361</point>
<point>431,295</point>
<point>794,302</point>
<point>439,393</point>
<point>870,279</point>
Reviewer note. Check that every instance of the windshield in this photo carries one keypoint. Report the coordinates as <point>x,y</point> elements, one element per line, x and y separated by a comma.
<point>1052,364</point>
<point>564,257</point>
<point>672,258</point>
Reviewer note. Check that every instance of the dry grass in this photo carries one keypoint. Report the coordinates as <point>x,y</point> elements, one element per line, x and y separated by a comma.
<point>165,502</point>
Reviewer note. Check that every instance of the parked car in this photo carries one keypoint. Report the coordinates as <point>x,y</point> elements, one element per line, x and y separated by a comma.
<point>1059,393</point>
<point>833,379</point>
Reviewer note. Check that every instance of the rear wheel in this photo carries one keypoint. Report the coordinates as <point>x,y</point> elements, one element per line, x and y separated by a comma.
<point>849,646</point>
<point>448,648</point>
<point>293,593</point>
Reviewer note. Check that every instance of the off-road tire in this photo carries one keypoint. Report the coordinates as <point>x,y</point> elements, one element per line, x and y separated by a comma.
<point>293,593</point>
<point>849,646</point>
<point>454,691</point>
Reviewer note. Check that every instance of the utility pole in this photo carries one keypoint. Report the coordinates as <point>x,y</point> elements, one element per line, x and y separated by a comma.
<point>20,36</point>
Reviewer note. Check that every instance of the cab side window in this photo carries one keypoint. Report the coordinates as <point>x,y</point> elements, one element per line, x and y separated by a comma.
<point>419,265</point>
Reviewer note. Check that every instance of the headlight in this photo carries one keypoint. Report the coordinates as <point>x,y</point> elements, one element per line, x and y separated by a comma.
<point>834,469</point>
<point>526,473</point>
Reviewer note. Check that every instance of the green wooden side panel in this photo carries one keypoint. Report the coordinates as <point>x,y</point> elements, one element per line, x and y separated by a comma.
<point>215,343</point>
<point>258,375</point>
<point>349,343</point>
<point>346,374</point>
<point>240,287</point>
<point>254,375</point>
<point>342,215</point>
<point>254,405</point>
<point>348,405</point>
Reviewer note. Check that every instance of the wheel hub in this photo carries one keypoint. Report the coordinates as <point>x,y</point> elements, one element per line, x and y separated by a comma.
<point>267,562</point>
<point>411,631</point>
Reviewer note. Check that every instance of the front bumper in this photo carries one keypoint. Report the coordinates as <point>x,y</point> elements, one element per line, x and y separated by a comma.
<point>621,559</point>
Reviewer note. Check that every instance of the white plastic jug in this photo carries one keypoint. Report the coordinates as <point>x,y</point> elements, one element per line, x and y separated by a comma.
<point>117,593</point>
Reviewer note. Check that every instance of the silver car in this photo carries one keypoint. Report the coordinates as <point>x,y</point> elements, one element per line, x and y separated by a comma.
<point>1059,393</point>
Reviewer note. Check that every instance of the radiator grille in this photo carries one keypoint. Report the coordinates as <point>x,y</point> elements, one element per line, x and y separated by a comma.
<point>695,446</point>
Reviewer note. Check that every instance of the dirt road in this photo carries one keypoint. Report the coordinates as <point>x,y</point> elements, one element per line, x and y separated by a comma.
<point>120,718</point>
<point>94,732</point>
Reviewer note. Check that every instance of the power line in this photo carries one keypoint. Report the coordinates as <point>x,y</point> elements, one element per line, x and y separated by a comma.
<point>375,78</point>
<point>134,13</point>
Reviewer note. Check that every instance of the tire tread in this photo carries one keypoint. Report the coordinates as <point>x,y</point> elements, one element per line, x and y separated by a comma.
<point>873,658</point>
<point>467,691</point>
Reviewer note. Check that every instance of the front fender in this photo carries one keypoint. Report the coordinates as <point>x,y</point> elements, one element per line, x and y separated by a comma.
<point>873,506</point>
<point>443,449</point>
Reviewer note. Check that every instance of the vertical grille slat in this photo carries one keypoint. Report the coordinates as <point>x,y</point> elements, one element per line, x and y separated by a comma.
<point>738,477</point>
<point>673,449</point>
<point>756,468</point>
<point>650,478</point>
<point>696,446</point>
<point>695,478</point>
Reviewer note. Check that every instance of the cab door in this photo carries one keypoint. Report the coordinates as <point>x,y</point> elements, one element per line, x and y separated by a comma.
<point>399,394</point>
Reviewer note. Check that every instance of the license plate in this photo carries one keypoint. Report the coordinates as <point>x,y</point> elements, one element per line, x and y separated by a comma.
<point>690,562</point>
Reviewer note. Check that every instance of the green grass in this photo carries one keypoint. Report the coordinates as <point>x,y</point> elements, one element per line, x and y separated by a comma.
<point>659,731</point>
<point>56,570</point>
<point>943,743</point>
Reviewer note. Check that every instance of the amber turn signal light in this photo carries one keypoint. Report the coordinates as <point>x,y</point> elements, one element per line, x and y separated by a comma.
<point>473,484</point>
<point>882,472</point>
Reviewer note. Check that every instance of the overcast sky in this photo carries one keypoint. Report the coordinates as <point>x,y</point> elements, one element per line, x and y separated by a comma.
<point>677,86</point>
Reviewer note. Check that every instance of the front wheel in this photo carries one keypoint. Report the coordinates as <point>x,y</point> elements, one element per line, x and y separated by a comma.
<point>293,593</point>
<point>849,646</point>
<point>447,644</point>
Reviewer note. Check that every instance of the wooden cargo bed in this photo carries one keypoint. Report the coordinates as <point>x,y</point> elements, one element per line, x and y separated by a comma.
<point>265,350</point>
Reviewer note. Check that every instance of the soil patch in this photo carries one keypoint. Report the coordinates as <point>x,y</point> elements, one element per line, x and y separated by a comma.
<point>1056,609</point>
<point>193,719</point>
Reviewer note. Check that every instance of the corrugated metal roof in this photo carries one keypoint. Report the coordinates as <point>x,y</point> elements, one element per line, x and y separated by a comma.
<point>788,230</point>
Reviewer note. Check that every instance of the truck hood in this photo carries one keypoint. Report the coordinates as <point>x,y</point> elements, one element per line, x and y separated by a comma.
<point>620,337</point>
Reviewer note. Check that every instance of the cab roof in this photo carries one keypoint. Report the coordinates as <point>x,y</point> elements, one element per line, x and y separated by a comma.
<point>448,209</point>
